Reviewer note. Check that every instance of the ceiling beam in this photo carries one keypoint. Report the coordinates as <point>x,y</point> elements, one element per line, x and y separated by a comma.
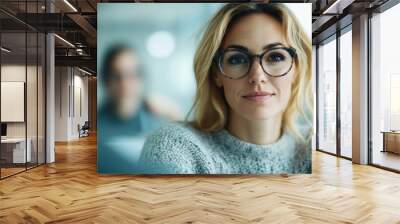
<point>81,61</point>
<point>84,24</point>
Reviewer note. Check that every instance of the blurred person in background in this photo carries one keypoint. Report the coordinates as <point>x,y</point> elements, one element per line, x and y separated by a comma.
<point>127,115</point>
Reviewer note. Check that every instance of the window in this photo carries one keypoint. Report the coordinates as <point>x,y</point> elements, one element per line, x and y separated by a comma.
<point>346,94</point>
<point>385,89</point>
<point>327,96</point>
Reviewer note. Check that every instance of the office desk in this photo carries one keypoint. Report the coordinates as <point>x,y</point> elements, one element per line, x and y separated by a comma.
<point>391,141</point>
<point>13,150</point>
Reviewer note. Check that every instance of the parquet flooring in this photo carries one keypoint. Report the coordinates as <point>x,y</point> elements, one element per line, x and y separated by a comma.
<point>10,171</point>
<point>70,191</point>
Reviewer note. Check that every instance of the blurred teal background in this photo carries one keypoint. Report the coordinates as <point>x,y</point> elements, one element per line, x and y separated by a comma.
<point>165,37</point>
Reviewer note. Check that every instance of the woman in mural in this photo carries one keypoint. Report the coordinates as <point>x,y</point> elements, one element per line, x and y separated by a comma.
<point>253,105</point>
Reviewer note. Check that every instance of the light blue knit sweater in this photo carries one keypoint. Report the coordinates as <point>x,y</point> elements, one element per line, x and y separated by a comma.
<point>181,149</point>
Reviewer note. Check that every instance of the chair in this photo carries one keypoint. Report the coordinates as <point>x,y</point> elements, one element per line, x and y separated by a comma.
<point>84,130</point>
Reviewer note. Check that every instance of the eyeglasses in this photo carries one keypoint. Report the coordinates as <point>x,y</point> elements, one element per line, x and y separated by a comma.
<point>235,63</point>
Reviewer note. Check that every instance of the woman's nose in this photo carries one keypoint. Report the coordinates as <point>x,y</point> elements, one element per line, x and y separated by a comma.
<point>256,74</point>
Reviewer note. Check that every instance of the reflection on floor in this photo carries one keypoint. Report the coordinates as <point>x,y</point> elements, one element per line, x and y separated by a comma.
<point>387,159</point>
<point>10,171</point>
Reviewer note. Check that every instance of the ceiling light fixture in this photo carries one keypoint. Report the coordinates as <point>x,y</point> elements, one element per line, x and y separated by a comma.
<point>70,5</point>
<point>64,40</point>
<point>5,50</point>
<point>84,71</point>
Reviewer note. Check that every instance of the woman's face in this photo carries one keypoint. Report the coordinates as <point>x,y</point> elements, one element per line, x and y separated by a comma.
<point>256,96</point>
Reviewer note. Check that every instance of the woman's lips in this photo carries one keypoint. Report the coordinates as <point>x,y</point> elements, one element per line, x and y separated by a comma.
<point>258,96</point>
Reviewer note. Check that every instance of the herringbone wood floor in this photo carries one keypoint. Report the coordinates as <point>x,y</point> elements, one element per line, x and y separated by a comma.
<point>70,191</point>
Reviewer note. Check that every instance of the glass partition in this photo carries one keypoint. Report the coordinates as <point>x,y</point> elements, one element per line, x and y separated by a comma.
<point>14,153</point>
<point>327,96</point>
<point>22,78</point>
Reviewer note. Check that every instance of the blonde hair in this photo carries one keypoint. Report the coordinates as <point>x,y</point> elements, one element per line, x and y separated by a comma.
<point>211,109</point>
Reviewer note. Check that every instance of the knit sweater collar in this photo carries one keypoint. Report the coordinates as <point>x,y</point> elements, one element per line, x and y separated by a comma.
<point>285,142</point>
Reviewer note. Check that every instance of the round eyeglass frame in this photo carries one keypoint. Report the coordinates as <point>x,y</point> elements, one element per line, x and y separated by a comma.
<point>219,55</point>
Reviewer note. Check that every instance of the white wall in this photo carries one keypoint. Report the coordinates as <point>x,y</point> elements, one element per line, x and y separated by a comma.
<point>62,81</point>
<point>14,73</point>
<point>79,117</point>
<point>70,83</point>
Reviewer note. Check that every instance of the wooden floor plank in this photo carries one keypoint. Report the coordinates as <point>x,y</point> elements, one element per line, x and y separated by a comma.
<point>70,191</point>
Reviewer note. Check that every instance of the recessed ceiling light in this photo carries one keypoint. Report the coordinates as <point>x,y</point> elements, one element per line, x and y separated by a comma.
<point>84,71</point>
<point>64,40</point>
<point>70,5</point>
<point>5,50</point>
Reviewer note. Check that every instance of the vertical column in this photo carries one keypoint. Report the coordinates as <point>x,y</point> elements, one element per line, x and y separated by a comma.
<point>314,87</point>
<point>50,92</point>
<point>360,90</point>
<point>338,96</point>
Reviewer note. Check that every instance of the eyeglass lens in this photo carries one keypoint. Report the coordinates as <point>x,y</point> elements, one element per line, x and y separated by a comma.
<point>236,63</point>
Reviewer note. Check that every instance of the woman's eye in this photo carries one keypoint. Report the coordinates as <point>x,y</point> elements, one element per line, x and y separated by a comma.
<point>275,57</point>
<point>237,60</point>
